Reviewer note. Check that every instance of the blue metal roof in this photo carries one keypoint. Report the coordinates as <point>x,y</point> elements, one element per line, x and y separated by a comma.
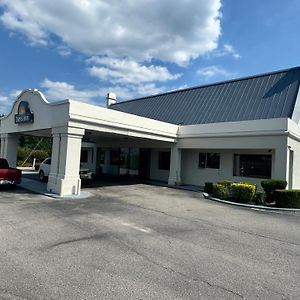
<point>265,96</point>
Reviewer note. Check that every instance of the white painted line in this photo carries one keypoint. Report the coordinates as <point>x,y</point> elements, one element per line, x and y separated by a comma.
<point>146,230</point>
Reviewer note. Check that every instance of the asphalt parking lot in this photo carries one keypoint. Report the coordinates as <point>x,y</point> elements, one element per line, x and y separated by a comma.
<point>139,241</point>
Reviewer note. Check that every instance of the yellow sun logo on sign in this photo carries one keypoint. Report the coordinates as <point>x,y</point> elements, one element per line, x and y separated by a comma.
<point>23,108</point>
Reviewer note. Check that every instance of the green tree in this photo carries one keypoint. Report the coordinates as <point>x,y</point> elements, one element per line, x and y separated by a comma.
<point>31,147</point>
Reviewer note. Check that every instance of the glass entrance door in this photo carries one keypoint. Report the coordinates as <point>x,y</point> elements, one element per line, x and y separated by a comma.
<point>144,163</point>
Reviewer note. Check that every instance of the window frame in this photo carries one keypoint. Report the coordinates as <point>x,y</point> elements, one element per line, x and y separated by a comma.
<point>239,170</point>
<point>204,161</point>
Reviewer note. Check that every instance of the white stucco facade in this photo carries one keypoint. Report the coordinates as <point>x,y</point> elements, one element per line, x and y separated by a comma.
<point>75,126</point>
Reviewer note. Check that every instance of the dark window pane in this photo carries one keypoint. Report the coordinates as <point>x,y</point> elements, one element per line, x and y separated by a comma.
<point>213,160</point>
<point>100,156</point>
<point>124,157</point>
<point>115,157</point>
<point>252,165</point>
<point>134,159</point>
<point>164,160</point>
<point>202,160</point>
<point>3,164</point>
<point>84,156</point>
<point>47,161</point>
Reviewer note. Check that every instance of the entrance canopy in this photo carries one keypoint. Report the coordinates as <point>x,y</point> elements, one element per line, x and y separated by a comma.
<point>69,122</point>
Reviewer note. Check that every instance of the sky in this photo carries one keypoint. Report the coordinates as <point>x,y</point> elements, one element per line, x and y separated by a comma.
<point>83,49</point>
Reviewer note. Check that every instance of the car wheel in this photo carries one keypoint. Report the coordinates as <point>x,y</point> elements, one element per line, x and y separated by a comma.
<point>42,175</point>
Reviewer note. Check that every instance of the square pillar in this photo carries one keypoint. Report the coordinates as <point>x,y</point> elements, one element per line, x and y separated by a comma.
<point>175,166</point>
<point>65,161</point>
<point>9,148</point>
<point>280,163</point>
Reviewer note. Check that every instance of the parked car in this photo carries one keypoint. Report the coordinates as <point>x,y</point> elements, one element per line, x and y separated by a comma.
<point>9,176</point>
<point>45,166</point>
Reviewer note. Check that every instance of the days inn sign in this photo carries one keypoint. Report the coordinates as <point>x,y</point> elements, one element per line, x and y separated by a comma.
<point>24,114</point>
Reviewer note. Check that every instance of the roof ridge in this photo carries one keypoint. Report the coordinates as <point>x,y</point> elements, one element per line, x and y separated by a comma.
<point>211,84</point>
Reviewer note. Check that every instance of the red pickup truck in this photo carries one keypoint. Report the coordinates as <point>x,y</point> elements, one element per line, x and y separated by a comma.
<point>9,176</point>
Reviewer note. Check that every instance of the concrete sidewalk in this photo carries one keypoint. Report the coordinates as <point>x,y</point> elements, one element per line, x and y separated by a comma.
<point>39,187</point>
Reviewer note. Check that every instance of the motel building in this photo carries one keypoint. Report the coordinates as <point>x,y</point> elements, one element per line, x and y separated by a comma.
<point>241,130</point>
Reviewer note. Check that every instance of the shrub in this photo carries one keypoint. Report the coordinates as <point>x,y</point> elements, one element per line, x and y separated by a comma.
<point>26,156</point>
<point>259,198</point>
<point>22,154</point>
<point>287,198</point>
<point>208,188</point>
<point>243,192</point>
<point>221,191</point>
<point>40,155</point>
<point>270,185</point>
<point>226,183</point>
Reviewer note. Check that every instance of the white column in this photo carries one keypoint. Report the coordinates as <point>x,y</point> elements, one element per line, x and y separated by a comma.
<point>65,162</point>
<point>2,145</point>
<point>9,148</point>
<point>280,163</point>
<point>175,166</point>
<point>290,168</point>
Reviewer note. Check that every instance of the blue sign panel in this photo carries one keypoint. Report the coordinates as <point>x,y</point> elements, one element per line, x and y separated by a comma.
<point>24,114</point>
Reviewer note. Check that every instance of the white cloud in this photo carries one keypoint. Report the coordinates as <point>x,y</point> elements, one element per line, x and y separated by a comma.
<point>213,71</point>
<point>125,40</point>
<point>5,104</point>
<point>14,93</point>
<point>171,30</point>
<point>64,50</point>
<point>127,71</point>
<point>144,90</point>
<point>227,50</point>
<point>3,99</point>
<point>12,20</point>
<point>59,90</point>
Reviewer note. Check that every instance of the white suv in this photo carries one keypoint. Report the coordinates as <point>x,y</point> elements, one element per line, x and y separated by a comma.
<point>45,167</point>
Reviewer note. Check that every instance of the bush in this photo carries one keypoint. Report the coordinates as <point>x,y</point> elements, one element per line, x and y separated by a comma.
<point>287,198</point>
<point>28,155</point>
<point>208,188</point>
<point>221,191</point>
<point>259,198</point>
<point>22,154</point>
<point>226,183</point>
<point>40,155</point>
<point>243,192</point>
<point>270,185</point>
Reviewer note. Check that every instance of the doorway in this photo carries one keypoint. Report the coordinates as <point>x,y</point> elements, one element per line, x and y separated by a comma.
<point>144,163</point>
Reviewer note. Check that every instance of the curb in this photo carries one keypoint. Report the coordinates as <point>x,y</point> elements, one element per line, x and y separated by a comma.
<point>35,187</point>
<point>296,210</point>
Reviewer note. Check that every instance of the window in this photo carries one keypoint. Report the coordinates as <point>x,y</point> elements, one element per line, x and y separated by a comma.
<point>202,160</point>
<point>209,160</point>
<point>84,156</point>
<point>213,160</point>
<point>124,157</point>
<point>47,161</point>
<point>134,159</point>
<point>252,165</point>
<point>115,157</point>
<point>164,160</point>
<point>100,156</point>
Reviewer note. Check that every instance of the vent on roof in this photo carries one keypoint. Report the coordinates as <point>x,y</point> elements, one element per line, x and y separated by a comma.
<point>111,98</point>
